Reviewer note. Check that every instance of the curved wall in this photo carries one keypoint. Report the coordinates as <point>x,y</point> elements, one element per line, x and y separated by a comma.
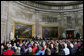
<point>65,17</point>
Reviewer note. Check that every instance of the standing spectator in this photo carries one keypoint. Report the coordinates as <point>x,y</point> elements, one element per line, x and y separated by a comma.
<point>15,46</point>
<point>2,49</point>
<point>61,51</point>
<point>66,50</point>
<point>72,50</point>
<point>40,52</point>
<point>78,35</point>
<point>63,35</point>
<point>8,52</point>
<point>18,51</point>
<point>17,38</point>
<point>52,49</point>
<point>34,49</point>
<point>48,52</point>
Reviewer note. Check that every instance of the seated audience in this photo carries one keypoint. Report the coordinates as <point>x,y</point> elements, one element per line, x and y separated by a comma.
<point>43,47</point>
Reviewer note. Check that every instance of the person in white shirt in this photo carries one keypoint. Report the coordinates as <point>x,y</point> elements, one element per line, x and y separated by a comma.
<point>66,50</point>
<point>15,46</point>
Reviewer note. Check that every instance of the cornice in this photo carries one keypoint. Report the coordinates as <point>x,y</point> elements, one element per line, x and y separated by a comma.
<point>58,4</point>
<point>38,8</point>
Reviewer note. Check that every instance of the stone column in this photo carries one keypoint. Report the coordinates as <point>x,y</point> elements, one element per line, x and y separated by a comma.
<point>37,24</point>
<point>4,18</point>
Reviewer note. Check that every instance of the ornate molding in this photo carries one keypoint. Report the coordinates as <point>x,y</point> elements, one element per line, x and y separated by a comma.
<point>59,4</point>
<point>46,8</point>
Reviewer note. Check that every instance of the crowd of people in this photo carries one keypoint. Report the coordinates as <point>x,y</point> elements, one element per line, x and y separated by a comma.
<point>43,47</point>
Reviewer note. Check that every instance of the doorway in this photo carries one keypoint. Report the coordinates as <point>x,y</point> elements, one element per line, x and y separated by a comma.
<point>70,34</point>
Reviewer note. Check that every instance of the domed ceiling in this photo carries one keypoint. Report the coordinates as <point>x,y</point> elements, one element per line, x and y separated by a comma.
<point>53,5</point>
<point>59,3</point>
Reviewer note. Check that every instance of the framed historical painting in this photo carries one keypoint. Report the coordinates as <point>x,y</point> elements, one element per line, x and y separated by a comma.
<point>23,30</point>
<point>51,32</point>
